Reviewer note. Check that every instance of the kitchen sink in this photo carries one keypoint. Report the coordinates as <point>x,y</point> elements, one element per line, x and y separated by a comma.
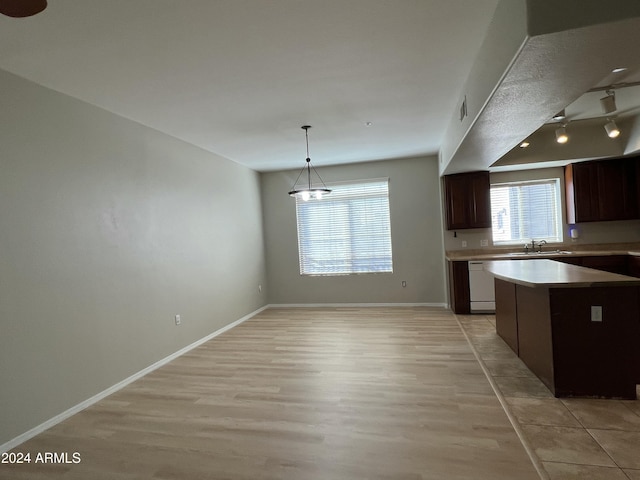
<point>543,253</point>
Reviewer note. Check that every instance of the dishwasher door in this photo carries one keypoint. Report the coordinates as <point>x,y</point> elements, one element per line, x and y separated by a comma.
<point>481,288</point>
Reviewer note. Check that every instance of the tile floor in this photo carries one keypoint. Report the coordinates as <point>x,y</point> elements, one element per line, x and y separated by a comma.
<point>573,438</point>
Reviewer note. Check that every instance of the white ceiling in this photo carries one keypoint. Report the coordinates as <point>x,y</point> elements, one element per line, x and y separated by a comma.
<point>239,77</point>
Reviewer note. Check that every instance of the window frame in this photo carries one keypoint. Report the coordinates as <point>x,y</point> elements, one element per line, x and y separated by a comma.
<point>351,204</point>
<point>559,221</point>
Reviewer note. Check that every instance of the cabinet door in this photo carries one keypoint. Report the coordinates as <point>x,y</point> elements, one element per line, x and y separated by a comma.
<point>467,200</point>
<point>602,190</point>
<point>581,182</point>
<point>457,210</point>
<point>459,287</point>
<point>480,201</point>
<point>570,260</point>
<point>633,267</point>
<point>607,263</point>
<point>617,197</point>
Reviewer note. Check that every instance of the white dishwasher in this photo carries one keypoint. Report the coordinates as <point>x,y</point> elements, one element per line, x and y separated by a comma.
<point>481,288</point>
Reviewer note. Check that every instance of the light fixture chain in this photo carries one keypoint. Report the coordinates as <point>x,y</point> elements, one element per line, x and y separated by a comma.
<point>319,177</point>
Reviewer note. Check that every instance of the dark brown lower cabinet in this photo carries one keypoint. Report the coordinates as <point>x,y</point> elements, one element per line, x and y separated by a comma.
<point>633,265</point>
<point>459,295</point>
<point>608,263</point>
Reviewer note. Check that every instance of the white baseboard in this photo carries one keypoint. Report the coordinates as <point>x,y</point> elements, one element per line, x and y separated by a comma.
<point>114,388</point>
<point>359,305</point>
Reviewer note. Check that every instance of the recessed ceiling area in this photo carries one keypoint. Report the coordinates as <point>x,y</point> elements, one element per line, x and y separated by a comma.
<point>584,122</point>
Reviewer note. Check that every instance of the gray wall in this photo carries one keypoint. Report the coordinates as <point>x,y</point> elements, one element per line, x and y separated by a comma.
<point>107,230</point>
<point>414,200</point>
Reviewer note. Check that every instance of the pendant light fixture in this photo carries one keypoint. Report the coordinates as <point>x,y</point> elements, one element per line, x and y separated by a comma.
<point>308,191</point>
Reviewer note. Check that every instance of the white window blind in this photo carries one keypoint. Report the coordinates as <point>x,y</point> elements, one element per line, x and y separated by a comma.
<point>522,211</point>
<point>348,231</point>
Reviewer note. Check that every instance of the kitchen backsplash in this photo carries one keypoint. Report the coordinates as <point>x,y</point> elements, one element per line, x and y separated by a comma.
<point>588,233</point>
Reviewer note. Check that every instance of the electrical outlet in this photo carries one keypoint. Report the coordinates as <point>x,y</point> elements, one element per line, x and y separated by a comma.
<point>596,313</point>
<point>404,283</point>
<point>178,319</point>
<point>464,243</point>
<point>484,243</point>
<point>259,288</point>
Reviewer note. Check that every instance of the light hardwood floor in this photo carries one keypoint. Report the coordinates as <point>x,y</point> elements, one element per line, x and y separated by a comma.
<point>332,393</point>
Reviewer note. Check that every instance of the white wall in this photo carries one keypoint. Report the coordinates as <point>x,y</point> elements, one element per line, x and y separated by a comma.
<point>107,230</point>
<point>416,230</point>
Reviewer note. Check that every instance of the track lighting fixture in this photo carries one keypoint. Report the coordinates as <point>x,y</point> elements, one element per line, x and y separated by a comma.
<point>612,129</point>
<point>561,134</point>
<point>308,191</point>
<point>558,117</point>
<point>608,103</point>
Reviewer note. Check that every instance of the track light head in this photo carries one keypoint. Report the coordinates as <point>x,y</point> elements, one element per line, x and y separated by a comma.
<point>561,135</point>
<point>612,129</point>
<point>608,103</point>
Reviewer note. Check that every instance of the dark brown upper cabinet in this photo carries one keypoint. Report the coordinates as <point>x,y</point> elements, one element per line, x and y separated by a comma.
<point>602,190</point>
<point>467,200</point>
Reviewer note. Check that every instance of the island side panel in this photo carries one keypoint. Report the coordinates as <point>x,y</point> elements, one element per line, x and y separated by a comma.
<point>596,358</point>
<point>506,313</point>
<point>535,345</point>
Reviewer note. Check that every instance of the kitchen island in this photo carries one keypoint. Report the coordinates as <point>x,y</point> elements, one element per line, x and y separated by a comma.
<point>576,328</point>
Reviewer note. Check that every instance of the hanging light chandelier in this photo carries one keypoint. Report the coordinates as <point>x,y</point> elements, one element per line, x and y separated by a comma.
<point>308,191</point>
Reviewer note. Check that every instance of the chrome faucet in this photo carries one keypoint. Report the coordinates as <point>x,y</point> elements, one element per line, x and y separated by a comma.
<point>533,244</point>
<point>540,244</point>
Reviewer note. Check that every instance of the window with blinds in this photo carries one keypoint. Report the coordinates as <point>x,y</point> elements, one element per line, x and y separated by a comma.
<point>347,231</point>
<point>522,211</point>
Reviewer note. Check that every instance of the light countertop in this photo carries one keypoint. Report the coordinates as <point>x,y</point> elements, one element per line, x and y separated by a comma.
<point>548,252</point>
<point>548,273</point>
